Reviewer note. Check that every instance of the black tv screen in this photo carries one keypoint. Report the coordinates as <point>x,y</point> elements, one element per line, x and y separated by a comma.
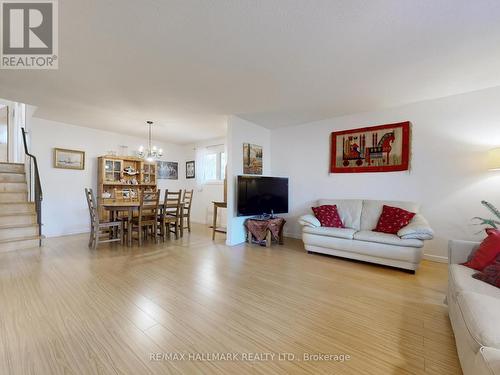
<point>262,195</point>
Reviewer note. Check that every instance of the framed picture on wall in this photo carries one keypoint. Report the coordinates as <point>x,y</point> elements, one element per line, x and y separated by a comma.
<point>69,159</point>
<point>168,170</point>
<point>190,169</point>
<point>382,148</point>
<point>252,159</point>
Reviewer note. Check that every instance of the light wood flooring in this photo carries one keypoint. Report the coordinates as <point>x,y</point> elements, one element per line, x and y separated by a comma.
<point>65,309</point>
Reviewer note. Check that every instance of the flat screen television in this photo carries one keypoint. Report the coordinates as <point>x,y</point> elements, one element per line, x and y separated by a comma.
<point>262,195</point>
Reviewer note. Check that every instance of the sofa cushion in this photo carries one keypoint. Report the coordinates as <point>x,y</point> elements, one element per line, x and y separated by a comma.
<point>372,210</point>
<point>349,210</point>
<point>347,233</point>
<point>392,219</point>
<point>491,358</point>
<point>480,314</point>
<point>411,255</point>
<point>461,280</point>
<point>328,216</point>
<point>487,251</point>
<point>386,238</point>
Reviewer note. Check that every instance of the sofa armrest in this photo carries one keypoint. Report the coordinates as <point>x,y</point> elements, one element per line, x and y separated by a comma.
<point>459,251</point>
<point>489,360</point>
<point>418,228</point>
<point>309,221</point>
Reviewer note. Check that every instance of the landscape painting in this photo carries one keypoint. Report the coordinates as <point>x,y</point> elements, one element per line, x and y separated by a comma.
<point>382,148</point>
<point>69,159</point>
<point>168,170</point>
<point>252,159</point>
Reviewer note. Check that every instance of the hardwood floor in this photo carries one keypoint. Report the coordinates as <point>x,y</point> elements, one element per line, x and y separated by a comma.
<point>66,309</point>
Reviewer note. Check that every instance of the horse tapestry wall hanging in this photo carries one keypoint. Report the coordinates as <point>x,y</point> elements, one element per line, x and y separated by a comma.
<point>383,148</point>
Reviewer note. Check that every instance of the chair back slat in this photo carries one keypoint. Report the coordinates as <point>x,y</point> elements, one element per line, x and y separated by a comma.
<point>172,198</point>
<point>149,201</point>
<point>91,202</point>
<point>188,199</point>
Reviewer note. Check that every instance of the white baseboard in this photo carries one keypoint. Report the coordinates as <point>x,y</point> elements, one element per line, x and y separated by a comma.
<point>297,236</point>
<point>436,258</point>
<point>71,233</point>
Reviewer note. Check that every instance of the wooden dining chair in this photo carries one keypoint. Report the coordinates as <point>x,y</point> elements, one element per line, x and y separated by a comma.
<point>112,229</point>
<point>169,219</point>
<point>188,200</point>
<point>147,215</point>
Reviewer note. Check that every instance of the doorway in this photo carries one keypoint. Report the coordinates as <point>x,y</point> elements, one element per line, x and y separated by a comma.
<point>4,133</point>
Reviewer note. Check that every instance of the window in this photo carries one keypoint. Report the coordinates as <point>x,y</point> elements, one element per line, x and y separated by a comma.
<point>214,166</point>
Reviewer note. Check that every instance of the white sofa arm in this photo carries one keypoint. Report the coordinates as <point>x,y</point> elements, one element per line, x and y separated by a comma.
<point>309,221</point>
<point>418,228</point>
<point>459,251</point>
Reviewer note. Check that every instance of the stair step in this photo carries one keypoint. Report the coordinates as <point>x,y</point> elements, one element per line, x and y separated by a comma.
<point>12,167</point>
<point>17,219</point>
<point>13,187</point>
<point>17,208</point>
<point>20,243</point>
<point>8,232</point>
<point>13,197</point>
<point>12,177</point>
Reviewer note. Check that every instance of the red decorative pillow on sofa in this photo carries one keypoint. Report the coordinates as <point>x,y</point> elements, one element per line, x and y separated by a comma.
<point>490,274</point>
<point>487,251</point>
<point>328,216</point>
<point>393,219</point>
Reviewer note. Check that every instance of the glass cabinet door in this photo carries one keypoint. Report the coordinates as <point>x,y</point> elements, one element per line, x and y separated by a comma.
<point>112,170</point>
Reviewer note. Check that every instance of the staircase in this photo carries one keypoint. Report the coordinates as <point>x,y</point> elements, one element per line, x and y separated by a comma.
<point>19,227</point>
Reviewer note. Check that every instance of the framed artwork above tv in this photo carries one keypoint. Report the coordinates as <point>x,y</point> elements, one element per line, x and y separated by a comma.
<point>382,148</point>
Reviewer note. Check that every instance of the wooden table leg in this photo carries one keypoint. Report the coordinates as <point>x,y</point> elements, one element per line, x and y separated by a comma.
<point>111,229</point>
<point>214,222</point>
<point>181,229</point>
<point>269,238</point>
<point>129,226</point>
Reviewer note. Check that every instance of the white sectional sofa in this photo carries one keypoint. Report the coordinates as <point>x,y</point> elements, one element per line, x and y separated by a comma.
<point>358,240</point>
<point>474,309</point>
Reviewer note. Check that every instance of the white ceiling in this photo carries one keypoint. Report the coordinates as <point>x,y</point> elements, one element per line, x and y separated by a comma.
<point>187,64</point>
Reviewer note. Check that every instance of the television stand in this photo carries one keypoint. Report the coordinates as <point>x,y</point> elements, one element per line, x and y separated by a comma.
<point>263,217</point>
<point>264,230</point>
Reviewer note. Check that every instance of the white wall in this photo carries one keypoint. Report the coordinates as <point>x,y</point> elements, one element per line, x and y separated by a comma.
<point>15,122</point>
<point>4,121</point>
<point>64,206</point>
<point>240,131</point>
<point>448,175</point>
<point>205,194</point>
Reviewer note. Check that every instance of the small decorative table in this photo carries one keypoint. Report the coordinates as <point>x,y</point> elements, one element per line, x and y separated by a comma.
<point>267,230</point>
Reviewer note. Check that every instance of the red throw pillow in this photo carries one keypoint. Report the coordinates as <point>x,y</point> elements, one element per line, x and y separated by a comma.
<point>393,219</point>
<point>487,251</point>
<point>328,216</point>
<point>490,274</point>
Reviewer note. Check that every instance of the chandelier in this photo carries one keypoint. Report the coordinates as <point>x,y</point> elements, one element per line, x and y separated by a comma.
<point>151,153</point>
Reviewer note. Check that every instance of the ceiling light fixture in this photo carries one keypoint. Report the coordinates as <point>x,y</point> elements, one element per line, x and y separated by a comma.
<point>152,153</point>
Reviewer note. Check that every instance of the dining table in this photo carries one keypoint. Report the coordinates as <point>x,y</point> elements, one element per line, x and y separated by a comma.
<point>130,206</point>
